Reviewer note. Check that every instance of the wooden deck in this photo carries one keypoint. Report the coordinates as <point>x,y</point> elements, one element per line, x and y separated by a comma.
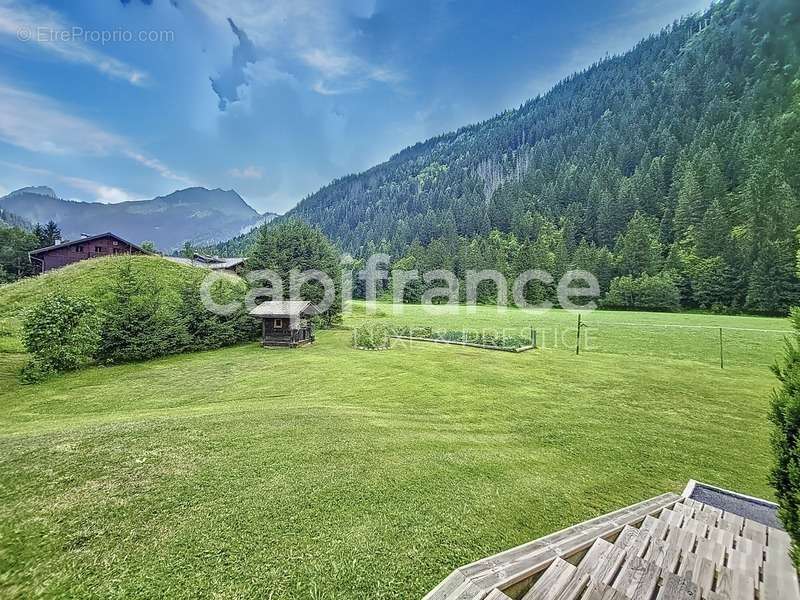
<point>667,548</point>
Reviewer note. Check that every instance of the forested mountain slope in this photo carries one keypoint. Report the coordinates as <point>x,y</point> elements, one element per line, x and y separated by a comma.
<point>672,172</point>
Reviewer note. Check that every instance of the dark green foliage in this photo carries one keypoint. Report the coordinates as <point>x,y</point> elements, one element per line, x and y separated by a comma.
<point>647,292</point>
<point>136,323</point>
<point>15,243</point>
<point>9,219</point>
<point>697,129</point>
<point>638,250</point>
<point>296,246</point>
<point>202,329</point>
<point>48,234</point>
<point>60,332</point>
<point>785,417</point>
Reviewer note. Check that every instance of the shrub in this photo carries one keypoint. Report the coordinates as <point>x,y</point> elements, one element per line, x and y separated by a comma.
<point>60,331</point>
<point>201,329</point>
<point>649,292</point>
<point>371,335</point>
<point>136,324</point>
<point>785,417</point>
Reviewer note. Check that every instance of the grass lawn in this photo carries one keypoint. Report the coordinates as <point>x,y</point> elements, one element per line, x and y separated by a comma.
<point>328,472</point>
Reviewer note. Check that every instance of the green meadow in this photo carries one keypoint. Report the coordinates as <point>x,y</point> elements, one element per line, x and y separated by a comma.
<point>329,472</point>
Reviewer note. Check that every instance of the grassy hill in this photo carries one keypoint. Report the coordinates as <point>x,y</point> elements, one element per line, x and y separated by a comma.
<point>90,278</point>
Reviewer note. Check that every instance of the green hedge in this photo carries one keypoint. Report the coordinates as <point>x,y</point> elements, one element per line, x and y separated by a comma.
<point>785,417</point>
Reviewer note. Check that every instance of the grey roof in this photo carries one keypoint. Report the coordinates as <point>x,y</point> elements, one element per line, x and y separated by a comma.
<point>285,308</point>
<point>85,239</point>
<point>213,263</point>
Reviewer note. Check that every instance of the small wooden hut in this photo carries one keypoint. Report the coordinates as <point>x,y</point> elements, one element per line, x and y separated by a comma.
<point>285,322</point>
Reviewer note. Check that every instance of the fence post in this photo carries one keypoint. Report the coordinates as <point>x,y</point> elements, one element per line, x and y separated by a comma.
<point>578,340</point>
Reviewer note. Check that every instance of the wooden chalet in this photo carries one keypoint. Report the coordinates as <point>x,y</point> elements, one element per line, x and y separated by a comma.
<point>285,322</point>
<point>86,247</point>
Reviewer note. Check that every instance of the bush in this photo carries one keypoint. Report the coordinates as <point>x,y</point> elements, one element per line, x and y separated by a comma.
<point>137,325</point>
<point>648,292</point>
<point>60,331</point>
<point>372,335</point>
<point>201,329</point>
<point>785,417</point>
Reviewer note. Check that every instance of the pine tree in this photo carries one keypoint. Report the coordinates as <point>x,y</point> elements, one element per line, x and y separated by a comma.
<point>133,325</point>
<point>712,237</point>
<point>295,245</point>
<point>638,249</point>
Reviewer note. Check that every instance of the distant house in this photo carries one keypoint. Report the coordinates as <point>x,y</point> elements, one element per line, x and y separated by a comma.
<point>215,263</point>
<point>284,322</point>
<point>85,247</point>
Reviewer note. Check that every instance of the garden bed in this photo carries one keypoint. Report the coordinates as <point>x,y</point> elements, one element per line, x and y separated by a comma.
<point>469,338</point>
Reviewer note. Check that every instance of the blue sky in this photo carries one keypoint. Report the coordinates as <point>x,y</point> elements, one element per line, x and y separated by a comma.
<point>273,98</point>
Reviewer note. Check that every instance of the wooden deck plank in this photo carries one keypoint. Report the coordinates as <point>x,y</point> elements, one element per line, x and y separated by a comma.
<point>602,561</point>
<point>707,517</point>
<point>755,531</point>
<point>671,518</point>
<point>721,536</point>
<point>684,509</point>
<point>496,594</point>
<point>633,540</point>
<point>700,570</point>
<point>552,581</point>
<point>697,527</point>
<point>599,591</point>
<point>778,539</point>
<point>655,528</point>
<point>732,523</point>
<point>780,577</point>
<point>744,562</point>
<point>711,550</point>
<point>679,543</point>
<point>638,578</point>
<point>748,546</point>
<point>575,587</point>
<point>676,587</point>
<point>735,585</point>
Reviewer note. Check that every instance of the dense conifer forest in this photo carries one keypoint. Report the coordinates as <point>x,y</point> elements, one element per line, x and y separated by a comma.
<point>672,172</point>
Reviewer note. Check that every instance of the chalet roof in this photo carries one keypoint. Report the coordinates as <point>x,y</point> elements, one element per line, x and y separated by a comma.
<point>285,309</point>
<point>208,262</point>
<point>709,542</point>
<point>85,239</point>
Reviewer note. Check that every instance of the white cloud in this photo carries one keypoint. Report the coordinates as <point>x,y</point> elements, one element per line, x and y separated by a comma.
<point>249,172</point>
<point>316,34</point>
<point>99,192</point>
<point>159,167</point>
<point>28,24</point>
<point>106,194</point>
<point>39,124</point>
